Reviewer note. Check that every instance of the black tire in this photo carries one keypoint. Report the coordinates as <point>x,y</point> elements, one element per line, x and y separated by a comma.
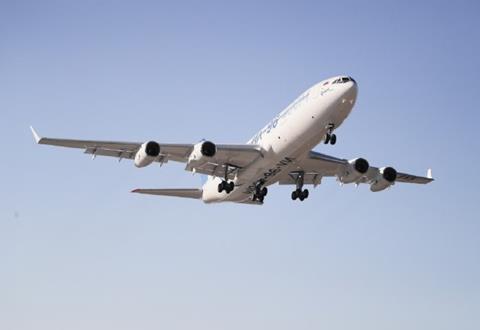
<point>294,195</point>
<point>333,139</point>
<point>220,187</point>
<point>264,191</point>
<point>231,186</point>
<point>260,199</point>
<point>327,138</point>
<point>305,194</point>
<point>301,198</point>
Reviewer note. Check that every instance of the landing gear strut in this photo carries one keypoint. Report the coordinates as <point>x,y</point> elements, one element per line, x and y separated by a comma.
<point>260,192</point>
<point>330,137</point>
<point>226,185</point>
<point>299,193</point>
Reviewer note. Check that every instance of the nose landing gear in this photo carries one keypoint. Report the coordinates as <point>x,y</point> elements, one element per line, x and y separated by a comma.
<point>330,137</point>
<point>299,193</point>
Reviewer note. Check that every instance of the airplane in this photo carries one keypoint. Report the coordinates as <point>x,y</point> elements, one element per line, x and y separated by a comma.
<point>281,152</point>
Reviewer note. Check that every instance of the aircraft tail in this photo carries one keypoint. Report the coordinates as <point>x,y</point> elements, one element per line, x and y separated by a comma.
<point>186,193</point>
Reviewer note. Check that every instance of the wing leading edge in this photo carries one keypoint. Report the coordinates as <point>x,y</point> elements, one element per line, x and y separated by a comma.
<point>315,166</point>
<point>236,156</point>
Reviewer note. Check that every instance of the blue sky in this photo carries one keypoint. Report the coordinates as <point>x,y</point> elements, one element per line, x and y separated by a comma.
<point>77,250</point>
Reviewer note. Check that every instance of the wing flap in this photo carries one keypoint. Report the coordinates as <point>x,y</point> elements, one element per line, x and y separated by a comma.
<point>317,165</point>
<point>119,153</point>
<point>308,178</point>
<point>235,155</point>
<point>409,178</point>
<point>84,144</point>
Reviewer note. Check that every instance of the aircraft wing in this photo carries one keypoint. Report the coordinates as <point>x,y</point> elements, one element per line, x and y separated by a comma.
<point>235,156</point>
<point>315,166</point>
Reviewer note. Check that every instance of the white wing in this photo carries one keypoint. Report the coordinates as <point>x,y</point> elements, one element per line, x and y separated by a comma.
<point>236,156</point>
<point>315,166</point>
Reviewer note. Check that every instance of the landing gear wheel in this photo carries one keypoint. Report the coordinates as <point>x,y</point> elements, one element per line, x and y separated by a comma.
<point>301,195</point>
<point>294,195</point>
<point>327,138</point>
<point>298,193</point>
<point>260,191</point>
<point>333,139</point>
<point>305,194</point>
<point>226,186</point>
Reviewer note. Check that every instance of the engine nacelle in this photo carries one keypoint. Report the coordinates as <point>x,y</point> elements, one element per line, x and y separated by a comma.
<point>354,171</point>
<point>385,178</point>
<point>201,153</point>
<point>147,154</point>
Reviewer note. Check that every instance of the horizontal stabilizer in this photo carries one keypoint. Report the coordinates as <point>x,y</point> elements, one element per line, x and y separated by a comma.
<point>186,193</point>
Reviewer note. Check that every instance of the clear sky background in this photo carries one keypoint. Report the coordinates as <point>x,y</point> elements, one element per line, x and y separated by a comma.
<point>78,251</point>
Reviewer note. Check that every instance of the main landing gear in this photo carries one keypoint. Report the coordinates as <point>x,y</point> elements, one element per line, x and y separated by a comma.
<point>330,137</point>
<point>226,185</point>
<point>260,192</point>
<point>299,193</point>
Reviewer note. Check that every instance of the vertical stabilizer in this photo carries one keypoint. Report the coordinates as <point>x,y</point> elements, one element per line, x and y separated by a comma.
<point>429,173</point>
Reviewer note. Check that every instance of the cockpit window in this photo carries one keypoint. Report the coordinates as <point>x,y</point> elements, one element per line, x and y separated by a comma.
<point>325,83</point>
<point>342,80</point>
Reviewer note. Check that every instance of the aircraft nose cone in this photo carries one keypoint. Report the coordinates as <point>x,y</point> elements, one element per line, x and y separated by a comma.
<point>352,89</point>
<point>351,93</point>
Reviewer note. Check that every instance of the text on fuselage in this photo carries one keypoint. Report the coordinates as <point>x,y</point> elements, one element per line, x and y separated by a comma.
<point>270,173</point>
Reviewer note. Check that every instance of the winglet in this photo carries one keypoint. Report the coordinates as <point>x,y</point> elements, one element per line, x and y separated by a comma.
<point>429,173</point>
<point>35,135</point>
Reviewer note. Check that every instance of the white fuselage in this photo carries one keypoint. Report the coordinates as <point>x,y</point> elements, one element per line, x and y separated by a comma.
<point>288,137</point>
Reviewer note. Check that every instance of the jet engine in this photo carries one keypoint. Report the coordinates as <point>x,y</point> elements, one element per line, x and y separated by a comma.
<point>147,154</point>
<point>354,170</point>
<point>201,152</point>
<point>385,178</point>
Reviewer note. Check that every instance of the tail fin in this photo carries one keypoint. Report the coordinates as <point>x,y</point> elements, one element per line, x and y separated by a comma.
<point>186,193</point>
<point>429,173</point>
